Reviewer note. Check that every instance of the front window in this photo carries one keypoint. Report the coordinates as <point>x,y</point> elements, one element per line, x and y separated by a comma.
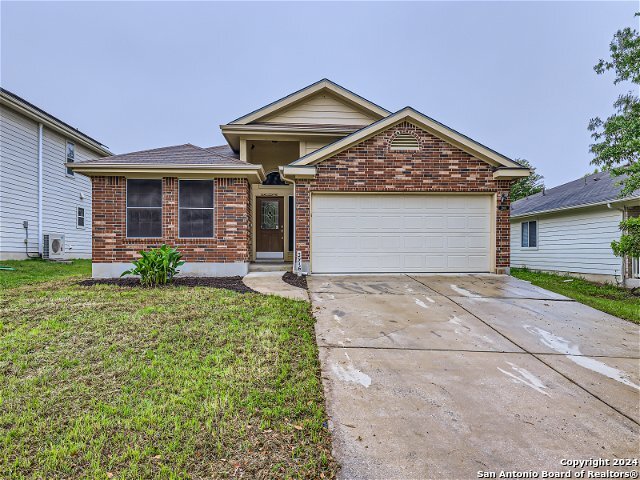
<point>529,237</point>
<point>195,203</point>
<point>144,208</point>
<point>71,156</point>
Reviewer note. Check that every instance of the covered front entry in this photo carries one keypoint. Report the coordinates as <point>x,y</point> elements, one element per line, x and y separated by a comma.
<point>360,233</point>
<point>270,228</point>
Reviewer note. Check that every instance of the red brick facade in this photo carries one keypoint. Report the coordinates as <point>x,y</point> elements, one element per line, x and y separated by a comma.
<point>232,234</point>
<point>436,167</point>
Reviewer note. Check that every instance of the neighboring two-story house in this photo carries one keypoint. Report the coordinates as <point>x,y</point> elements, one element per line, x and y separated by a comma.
<point>321,178</point>
<point>45,207</point>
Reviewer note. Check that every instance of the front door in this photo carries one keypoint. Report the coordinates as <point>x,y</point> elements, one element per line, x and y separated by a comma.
<point>270,228</point>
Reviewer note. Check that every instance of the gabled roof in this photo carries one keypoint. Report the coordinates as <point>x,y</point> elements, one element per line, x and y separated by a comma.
<point>430,125</point>
<point>28,109</point>
<point>594,189</point>
<point>324,84</point>
<point>186,154</point>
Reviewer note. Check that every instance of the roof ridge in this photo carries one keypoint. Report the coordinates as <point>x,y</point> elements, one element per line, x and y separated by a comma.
<point>150,150</point>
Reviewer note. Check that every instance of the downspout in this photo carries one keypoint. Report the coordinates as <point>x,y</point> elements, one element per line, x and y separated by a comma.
<point>40,188</point>
<point>624,259</point>
<point>295,243</point>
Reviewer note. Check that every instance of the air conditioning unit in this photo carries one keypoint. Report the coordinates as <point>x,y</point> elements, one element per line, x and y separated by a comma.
<point>53,246</point>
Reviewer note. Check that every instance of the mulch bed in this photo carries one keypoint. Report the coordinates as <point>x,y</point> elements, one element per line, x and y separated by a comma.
<point>230,283</point>
<point>295,280</point>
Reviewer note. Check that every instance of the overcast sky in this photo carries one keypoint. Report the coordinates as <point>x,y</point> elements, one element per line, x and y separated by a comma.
<point>517,77</point>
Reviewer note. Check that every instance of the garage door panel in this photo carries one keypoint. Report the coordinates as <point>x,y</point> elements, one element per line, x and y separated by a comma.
<point>395,233</point>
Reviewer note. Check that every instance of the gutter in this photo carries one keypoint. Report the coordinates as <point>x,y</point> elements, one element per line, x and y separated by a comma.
<point>574,207</point>
<point>623,268</point>
<point>40,189</point>
<point>295,250</point>
<point>167,170</point>
<point>34,113</point>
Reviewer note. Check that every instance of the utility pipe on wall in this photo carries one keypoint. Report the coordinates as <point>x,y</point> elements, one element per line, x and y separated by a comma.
<point>40,188</point>
<point>624,259</point>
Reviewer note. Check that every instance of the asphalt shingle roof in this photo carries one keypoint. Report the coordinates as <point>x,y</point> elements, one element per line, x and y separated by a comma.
<point>186,154</point>
<point>595,188</point>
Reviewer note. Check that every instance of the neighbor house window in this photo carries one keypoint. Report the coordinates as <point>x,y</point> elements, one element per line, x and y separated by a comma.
<point>71,156</point>
<point>195,205</point>
<point>144,208</point>
<point>80,217</point>
<point>529,237</point>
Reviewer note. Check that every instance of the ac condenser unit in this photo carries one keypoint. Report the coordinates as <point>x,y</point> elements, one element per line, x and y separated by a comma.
<point>53,246</point>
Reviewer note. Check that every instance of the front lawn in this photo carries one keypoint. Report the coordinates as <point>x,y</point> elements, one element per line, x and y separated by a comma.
<point>114,382</point>
<point>607,298</point>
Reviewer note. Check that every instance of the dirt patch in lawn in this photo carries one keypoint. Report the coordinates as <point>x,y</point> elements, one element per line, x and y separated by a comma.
<point>230,283</point>
<point>299,281</point>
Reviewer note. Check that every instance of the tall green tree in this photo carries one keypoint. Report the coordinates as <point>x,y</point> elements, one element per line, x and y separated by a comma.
<point>617,139</point>
<point>616,144</point>
<point>527,186</point>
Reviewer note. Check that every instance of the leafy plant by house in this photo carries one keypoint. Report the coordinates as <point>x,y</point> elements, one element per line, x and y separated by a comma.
<point>617,139</point>
<point>156,267</point>
<point>629,243</point>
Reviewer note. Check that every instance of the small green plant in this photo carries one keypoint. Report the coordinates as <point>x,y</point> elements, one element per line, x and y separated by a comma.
<point>156,267</point>
<point>629,244</point>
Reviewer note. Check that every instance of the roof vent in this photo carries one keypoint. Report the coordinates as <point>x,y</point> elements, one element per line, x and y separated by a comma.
<point>404,142</point>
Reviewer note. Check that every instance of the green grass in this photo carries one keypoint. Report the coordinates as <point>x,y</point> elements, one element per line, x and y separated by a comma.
<point>32,271</point>
<point>607,298</point>
<point>111,382</point>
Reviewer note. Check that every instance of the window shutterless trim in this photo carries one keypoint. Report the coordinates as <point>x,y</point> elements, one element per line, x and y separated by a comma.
<point>537,236</point>
<point>67,171</point>
<point>127,207</point>
<point>213,208</point>
<point>83,216</point>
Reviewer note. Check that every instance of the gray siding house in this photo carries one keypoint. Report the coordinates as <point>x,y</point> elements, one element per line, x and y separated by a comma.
<point>45,208</point>
<point>570,228</point>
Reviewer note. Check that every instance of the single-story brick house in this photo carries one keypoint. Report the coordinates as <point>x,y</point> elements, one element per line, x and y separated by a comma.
<point>321,178</point>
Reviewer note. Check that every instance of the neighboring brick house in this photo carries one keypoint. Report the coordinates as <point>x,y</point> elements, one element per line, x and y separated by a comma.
<point>323,179</point>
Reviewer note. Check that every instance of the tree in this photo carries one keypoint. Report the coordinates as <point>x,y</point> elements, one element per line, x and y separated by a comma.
<point>528,185</point>
<point>616,144</point>
<point>617,139</point>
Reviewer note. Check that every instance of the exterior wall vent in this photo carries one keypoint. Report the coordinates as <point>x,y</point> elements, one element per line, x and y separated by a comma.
<point>404,142</point>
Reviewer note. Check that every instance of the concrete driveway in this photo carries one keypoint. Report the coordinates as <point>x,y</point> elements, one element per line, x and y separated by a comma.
<point>443,376</point>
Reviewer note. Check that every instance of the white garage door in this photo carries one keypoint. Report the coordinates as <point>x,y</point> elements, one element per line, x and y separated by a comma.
<point>400,233</point>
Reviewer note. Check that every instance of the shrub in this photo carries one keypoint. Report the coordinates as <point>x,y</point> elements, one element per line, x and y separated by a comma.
<point>157,266</point>
<point>629,243</point>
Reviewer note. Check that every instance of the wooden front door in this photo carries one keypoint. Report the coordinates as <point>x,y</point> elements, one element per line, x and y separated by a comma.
<point>270,227</point>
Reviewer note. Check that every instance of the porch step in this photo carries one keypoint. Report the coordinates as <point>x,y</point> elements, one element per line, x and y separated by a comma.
<point>269,266</point>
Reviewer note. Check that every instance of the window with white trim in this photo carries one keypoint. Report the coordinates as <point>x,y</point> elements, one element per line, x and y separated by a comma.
<point>80,217</point>
<point>144,208</point>
<point>529,234</point>
<point>71,156</point>
<point>195,207</point>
